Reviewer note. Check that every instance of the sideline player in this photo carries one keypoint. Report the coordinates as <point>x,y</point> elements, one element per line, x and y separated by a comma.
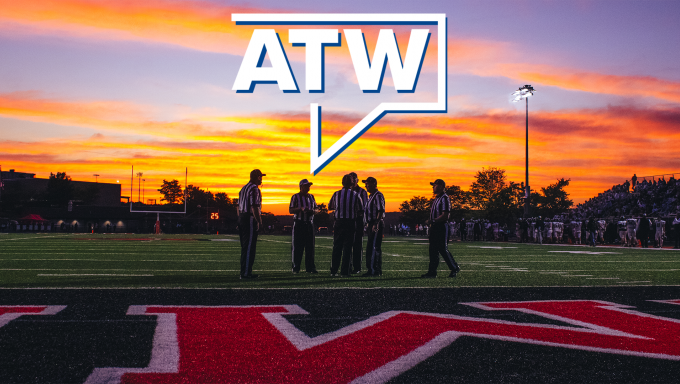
<point>358,247</point>
<point>439,244</point>
<point>621,227</point>
<point>631,225</point>
<point>249,221</point>
<point>303,207</point>
<point>346,204</point>
<point>374,214</point>
<point>660,232</point>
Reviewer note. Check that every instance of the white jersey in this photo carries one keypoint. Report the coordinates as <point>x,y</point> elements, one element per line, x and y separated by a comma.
<point>621,226</point>
<point>660,227</point>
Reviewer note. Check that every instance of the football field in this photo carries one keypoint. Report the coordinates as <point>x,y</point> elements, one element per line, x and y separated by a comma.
<point>202,261</point>
<point>118,308</point>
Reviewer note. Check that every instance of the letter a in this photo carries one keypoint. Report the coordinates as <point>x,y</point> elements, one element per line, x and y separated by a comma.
<point>251,72</point>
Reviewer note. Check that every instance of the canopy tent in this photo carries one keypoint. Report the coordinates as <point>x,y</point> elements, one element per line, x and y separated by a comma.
<point>32,218</point>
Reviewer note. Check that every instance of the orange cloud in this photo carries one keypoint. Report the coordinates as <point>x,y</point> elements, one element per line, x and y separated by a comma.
<point>192,24</point>
<point>595,148</point>
<point>574,79</point>
<point>208,27</point>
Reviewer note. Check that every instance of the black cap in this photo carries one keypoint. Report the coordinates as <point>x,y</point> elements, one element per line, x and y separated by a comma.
<point>370,180</point>
<point>256,173</point>
<point>347,181</point>
<point>305,182</point>
<point>439,181</point>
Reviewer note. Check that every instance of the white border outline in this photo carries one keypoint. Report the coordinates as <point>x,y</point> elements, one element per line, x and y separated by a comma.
<point>165,350</point>
<point>49,310</point>
<point>317,159</point>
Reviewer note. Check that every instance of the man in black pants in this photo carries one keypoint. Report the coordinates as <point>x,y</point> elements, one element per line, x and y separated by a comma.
<point>643,231</point>
<point>439,231</point>
<point>357,248</point>
<point>249,221</point>
<point>303,207</point>
<point>346,204</point>
<point>374,214</point>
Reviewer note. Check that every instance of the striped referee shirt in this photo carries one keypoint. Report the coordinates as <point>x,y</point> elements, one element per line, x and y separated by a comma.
<point>248,197</point>
<point>304,201</point>
<point>362,194</point>
<point>376,203</point>
<point>441,204</point>
<point>346,203</point>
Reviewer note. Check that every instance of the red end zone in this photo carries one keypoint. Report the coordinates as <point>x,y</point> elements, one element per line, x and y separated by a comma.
<point>234,344</point>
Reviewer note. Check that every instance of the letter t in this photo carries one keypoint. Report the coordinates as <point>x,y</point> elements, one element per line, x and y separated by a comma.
<point>315,40</point>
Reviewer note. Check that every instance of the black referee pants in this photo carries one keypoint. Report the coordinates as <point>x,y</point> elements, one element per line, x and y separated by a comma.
<point>439,245</point>
<point>303,241</point>
<point>374,250</point>
<point>358,247</point>
<point>247,230</point>
<point>343,239</point>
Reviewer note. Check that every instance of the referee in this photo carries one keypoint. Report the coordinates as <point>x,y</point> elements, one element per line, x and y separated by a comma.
<point>303,207</point>
<point>249,221</point>
<point>374,214</point>
<point>357,248</point>
<point>347,205</point>
<point>439,232</point>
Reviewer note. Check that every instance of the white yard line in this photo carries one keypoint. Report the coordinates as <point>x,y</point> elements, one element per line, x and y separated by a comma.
<point>87,274</point>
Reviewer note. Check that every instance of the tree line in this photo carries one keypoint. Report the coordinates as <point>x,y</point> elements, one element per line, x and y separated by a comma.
<point>491,196</point>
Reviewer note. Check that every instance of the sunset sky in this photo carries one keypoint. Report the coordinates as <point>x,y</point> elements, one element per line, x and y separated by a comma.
<point>96,86</point>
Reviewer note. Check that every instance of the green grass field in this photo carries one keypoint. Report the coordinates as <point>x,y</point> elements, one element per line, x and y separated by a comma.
<point>200,261</point>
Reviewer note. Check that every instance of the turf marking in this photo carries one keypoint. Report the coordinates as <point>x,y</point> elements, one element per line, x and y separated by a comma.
<point>632,282</point>
<point>588,252</point>
<point>472,246</point>
<point>15,311</point>
<point>89,274</point>
<point>32,238</point>
<point>602,278</point>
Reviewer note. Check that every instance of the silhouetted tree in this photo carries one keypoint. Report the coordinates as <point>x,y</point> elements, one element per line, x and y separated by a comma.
<point>415,211</point>
<point>59,189</point>
<point>488,183</point>
<point>171,191</point>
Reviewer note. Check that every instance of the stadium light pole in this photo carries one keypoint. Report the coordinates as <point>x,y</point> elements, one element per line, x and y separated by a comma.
<point>524,93</point>
<point>139,186</point>
<point>143,189</point>
<point>95,177</point>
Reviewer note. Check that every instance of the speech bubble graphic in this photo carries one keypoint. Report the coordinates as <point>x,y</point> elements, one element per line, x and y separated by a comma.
<point>370,83</point>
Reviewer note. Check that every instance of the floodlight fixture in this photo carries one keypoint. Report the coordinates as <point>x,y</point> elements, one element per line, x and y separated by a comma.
<point>523,93</point>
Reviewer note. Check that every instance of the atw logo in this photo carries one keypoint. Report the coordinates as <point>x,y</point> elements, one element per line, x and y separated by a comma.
<point>369,72</point>
<point>239,344</point>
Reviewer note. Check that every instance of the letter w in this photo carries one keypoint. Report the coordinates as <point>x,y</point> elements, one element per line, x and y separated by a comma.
<point>370,74</point>
<point>258,344</point>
